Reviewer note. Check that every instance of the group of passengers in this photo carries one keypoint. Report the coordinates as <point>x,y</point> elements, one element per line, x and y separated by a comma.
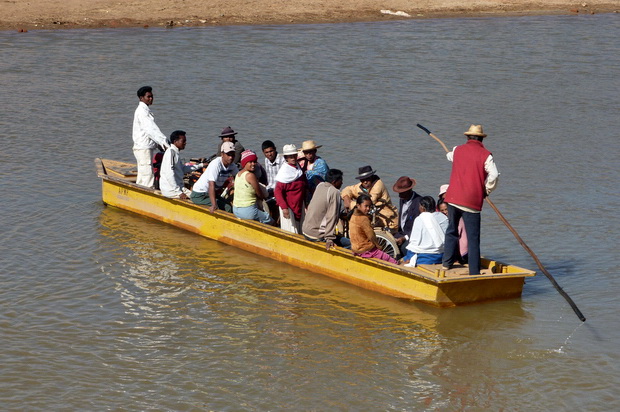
<point>298,192</point>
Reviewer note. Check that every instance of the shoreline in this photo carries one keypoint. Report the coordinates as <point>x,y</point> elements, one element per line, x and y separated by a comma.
<point>106,14</point>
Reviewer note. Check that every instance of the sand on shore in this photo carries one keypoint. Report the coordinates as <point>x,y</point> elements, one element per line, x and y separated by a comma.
<point>23,15</point>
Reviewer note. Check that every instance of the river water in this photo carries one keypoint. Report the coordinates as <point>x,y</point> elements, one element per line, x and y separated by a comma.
<point>106,310</point>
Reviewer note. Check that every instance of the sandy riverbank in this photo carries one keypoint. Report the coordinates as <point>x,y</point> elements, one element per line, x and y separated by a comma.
<point>25,15</point>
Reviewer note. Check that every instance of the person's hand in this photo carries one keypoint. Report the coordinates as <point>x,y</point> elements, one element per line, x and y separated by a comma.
<point>183,196</point>
<point>329,244</point>
<point>213,208</point>
<point>399,240</point>
<point>286,213</point>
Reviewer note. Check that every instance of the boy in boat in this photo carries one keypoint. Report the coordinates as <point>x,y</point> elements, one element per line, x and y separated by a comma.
<point>172,169</point>
<point>474,176</point>
<point>210,186</point>
<point>146,136</point>
<point>324,212</point>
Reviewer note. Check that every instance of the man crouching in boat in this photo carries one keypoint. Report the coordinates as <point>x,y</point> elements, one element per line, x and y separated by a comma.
<point>172,170</point>
<point>324,211</point>
<point>208,189</point>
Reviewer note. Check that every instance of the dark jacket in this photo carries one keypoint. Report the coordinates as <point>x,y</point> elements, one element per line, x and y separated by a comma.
<point>411,213</point>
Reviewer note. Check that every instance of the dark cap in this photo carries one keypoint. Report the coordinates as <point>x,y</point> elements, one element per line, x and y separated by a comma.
<point>227,132</point>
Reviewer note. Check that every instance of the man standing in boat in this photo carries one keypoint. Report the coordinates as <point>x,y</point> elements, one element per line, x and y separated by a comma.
<point>474,176</point>
<point>146,136</point>
<point>209,188</point>
<point>173,170</point>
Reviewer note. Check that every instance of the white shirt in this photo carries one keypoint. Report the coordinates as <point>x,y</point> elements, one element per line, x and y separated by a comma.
<point>146,134</point>
<point>428,233</point>
<point>172,172</point>
<point>272,170</point>
<point>216,172</point>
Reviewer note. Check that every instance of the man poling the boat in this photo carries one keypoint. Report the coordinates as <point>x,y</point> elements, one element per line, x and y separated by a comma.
<point>520,240</point>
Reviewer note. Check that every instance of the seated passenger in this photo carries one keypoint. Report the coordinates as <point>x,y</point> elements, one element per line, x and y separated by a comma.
<point>427,236</point>
<point>229,135</point>
<point>172,170</point>
<point>371,184</point>
<point>248,190</point>
<point>290,191</point>
<point>324,211</point>
<point>313,166</point>
<point>208,189</point>
<point>362,235</point>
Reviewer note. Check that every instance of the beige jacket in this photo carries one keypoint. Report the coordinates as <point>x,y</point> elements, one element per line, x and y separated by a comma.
<point>387,215</point>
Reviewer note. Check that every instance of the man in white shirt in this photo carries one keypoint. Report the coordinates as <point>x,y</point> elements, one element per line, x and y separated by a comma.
<point>209,188</point>
<point>172,170</point>
<point>273,162</point>
<point>146,137</point>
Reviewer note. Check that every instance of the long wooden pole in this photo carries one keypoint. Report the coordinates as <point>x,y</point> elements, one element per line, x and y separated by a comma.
<point>520,240</point>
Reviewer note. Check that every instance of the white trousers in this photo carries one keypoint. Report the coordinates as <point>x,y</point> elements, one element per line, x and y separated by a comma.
<point>144,159</point>
<point>291,224</point>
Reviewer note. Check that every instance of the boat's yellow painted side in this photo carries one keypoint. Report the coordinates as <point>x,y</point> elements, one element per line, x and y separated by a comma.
<point>412,283</point>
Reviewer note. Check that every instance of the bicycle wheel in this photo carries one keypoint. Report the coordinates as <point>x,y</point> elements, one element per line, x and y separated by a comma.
<point>387,243</point>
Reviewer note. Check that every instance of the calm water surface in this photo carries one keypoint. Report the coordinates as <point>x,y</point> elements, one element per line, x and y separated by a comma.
<point>105,310</point>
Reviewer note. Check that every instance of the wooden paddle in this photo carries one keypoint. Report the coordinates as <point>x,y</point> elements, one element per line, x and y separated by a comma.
<point>525,246</point>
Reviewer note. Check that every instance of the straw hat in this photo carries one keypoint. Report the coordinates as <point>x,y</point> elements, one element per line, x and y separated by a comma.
<point>403,184</point>
<point>309,145</point>
<point>475,130</point>
<point>289,150</point>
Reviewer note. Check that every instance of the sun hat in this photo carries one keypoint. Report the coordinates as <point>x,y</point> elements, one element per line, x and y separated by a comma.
<point>228,132</point>
<point>227,147</point>
<point>365,172</point>
<point>248,156</point>
<point>475,130</point>
<point>289,150</point>
<point>309,145</point>
<point>403,184</point>
<point>443,189</point>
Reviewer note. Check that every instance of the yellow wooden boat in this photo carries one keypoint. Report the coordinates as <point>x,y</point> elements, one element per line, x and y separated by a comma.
<point>425,283</point>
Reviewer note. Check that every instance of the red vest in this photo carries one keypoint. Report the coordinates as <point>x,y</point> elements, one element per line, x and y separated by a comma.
<point>468,175</point>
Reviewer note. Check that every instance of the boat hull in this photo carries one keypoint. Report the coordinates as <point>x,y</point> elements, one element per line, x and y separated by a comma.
<point>426,283</point>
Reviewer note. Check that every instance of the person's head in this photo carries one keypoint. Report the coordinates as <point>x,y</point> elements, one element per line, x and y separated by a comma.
<point>269,150</point>
<point>404,187</point>
<point>334,176</point>
<point>248,160</point>
<point>367,177</point>
<point>475,132</point>
<point>228,134</point>
<point>442,191</point>
<point>145,94</point>
<point>289,151</point>
<point>309,148</point>
<point>179,139</point>
<point>427,204</point>
<point>228,153</point>
<point>443,207</point>
<point>363,204</point>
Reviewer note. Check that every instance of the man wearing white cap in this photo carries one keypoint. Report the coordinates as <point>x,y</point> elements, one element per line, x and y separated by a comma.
<point>474,176</point>
<point>209,188</point>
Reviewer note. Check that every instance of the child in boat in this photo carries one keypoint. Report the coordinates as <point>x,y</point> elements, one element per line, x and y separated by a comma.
<point>427,235</point>
<point>362,235</point>
<point>248,191</point>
